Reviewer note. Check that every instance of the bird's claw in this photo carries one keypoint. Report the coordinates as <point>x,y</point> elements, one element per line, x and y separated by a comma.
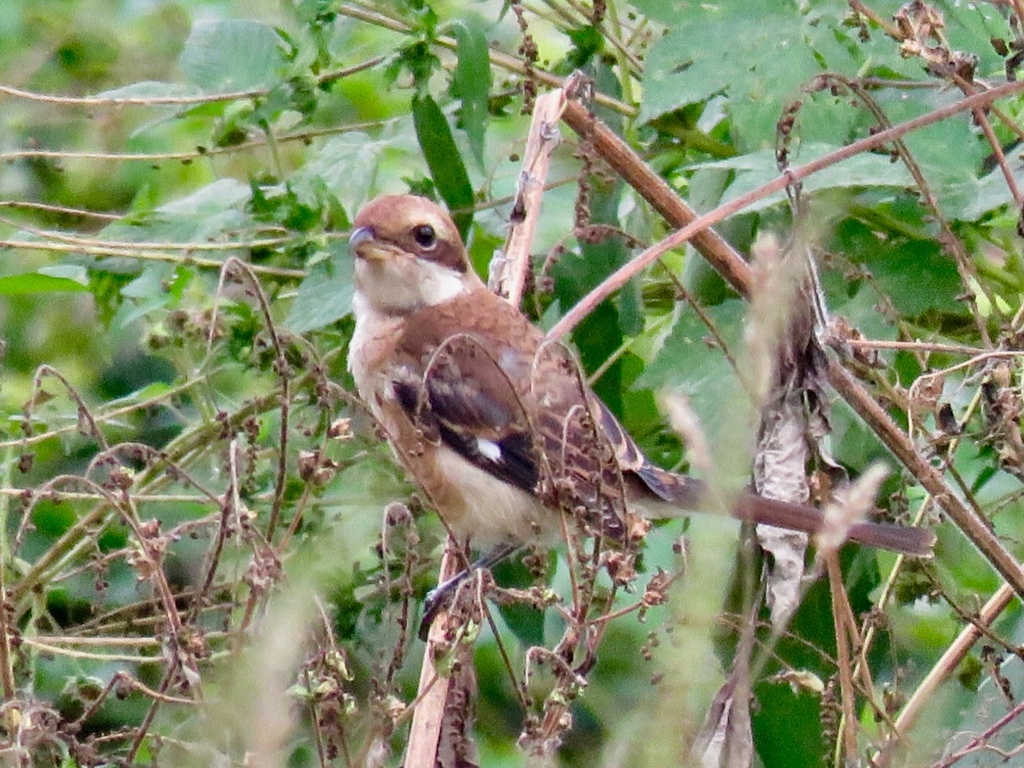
<point>436,601</point>
<point>440,596</point>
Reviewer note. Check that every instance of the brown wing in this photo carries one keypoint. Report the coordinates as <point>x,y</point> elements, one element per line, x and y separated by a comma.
<point>463,399</point>
<point>483,382</point>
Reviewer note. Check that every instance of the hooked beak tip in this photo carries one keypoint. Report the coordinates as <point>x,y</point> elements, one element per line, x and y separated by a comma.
<point>358,239</point>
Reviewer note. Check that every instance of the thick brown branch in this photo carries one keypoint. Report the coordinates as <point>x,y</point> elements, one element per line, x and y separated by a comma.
<point>633,169</point>
<point>658,193</point>
<point>652,188</point>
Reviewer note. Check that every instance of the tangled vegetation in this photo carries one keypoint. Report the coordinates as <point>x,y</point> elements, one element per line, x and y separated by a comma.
<point>207,555</point>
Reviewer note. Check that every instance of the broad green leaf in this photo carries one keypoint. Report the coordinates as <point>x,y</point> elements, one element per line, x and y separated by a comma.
<point>149,292</point>
<point>664,11</point>
<point>691,364</point>
<point>913,273</point>
<point>951,175</point>
<point>970,27</point>
<point>760,54</point>
<point>210,213</point>
<point>231,55</point>
<point>34,282</point>
<point>74,272</point>
<point>917,276</point>
<point>471,83</point>
<point>755,169</point>
<point>325,295</point>
<point>986,195</point>
<point>699,57</point>
<point>209,200</point>
<point>347,165</point>
<point>443,158</point>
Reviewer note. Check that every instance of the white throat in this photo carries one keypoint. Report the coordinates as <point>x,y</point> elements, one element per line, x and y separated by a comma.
<point>396,287</point>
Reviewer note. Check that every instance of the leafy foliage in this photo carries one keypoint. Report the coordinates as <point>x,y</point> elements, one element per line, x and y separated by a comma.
<point>206,555</point>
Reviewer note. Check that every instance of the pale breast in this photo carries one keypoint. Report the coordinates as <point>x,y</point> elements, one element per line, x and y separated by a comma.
<point>480,507</point>
<point>373,344</point>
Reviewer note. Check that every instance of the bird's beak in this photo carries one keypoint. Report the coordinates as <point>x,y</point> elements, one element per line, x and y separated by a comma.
<point>361,243</point>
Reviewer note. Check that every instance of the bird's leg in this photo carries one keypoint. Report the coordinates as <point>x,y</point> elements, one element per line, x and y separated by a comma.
<point>438,597</point>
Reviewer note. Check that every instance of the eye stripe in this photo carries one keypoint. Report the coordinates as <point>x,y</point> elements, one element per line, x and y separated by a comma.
<point>443,252</point>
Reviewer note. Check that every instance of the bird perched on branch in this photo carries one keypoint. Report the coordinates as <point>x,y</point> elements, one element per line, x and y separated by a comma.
<point>493,420</point>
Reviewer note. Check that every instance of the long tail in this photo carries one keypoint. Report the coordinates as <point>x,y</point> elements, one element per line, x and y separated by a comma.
<point>685,493</point>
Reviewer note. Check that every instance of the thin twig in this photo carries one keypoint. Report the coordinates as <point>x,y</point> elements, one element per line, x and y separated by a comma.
<point>738,272</point>
<point>632,168</point>
<point>153,101</point>
<point>125,251</point>
<point>942,670</point>
<point>842,616</point>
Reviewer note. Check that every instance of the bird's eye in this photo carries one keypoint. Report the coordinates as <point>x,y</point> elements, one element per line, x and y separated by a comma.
<point>425,236</point>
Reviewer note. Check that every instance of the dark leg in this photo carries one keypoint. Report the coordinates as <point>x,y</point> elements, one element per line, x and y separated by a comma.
<point>438,597</point>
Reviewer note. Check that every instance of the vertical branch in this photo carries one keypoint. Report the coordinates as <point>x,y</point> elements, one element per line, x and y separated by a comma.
<point>843,619</point>
<point>432,693</point>
<point>508,272</point>
<point>7,623</point>
<point>508,277</point>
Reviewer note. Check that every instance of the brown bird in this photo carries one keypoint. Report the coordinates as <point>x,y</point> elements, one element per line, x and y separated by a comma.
<point>493,421</point>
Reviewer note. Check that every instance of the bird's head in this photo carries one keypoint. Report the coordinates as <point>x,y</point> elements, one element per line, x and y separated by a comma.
<point>408,255</point>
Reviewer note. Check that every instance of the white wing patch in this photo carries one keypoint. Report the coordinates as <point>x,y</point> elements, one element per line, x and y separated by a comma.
<point>489,449</point>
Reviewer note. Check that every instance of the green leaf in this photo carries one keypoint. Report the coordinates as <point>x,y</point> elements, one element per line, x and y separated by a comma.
<point>784,45</point>
<point>149,292</point>
<point>587,43</point>
<point>985,195</point>
<point>210,213</point>
<point>325,295</point>
<point>223,194</point>
<point>913,273</point>
<point>917,276</point>
<point>418,59</point>
<point>443,158</point>
<point>346,165</point>
<point>690,363</point>
<point>951,175</point>
<point>471,83</point>
<point>769,67</point>
<point>34,282</point>
<point>658,10</point>
<point>755,169</point>
<point>232,55</point>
